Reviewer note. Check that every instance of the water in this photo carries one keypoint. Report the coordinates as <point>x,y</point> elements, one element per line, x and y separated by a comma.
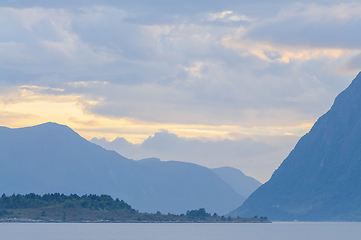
<point>180,231</point>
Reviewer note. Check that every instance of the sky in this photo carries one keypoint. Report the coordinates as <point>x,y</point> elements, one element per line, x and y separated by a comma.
<point>217,83</point>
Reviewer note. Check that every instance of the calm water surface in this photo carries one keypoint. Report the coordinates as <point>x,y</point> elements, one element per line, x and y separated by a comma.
<point>180,231</point>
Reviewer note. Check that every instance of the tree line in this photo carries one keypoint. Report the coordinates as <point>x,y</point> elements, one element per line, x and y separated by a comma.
<point>91,201</point>
<point>51,205</point>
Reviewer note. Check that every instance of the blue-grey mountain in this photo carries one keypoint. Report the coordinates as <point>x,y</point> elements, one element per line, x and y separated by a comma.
<point>52,158</point>
<point>320,180</point>
<point>243,184</point>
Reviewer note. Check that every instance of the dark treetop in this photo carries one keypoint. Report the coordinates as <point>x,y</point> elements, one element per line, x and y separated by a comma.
<point>91,201</point>
<point>93,208</point>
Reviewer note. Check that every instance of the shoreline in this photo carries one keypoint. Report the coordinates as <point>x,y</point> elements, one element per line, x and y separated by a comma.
<point>27,220</point>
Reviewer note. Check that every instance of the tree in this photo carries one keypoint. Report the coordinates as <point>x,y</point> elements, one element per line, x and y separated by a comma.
<point>200,214</point>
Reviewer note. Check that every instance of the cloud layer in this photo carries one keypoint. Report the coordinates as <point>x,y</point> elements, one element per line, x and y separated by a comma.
<point>259,67</point>
<point>254,155</point>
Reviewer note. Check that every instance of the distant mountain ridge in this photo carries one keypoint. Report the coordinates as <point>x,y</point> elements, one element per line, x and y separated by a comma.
<point>320,180</point>
<point>53,158</point>
<point>244,185</point>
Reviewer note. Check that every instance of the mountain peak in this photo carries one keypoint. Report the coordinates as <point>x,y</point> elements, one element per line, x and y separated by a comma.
<point>50,125</point>
<point>320,179</point>
<point>53,158</point>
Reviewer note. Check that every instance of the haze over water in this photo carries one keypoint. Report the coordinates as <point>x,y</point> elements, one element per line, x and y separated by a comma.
<point>169,231</point>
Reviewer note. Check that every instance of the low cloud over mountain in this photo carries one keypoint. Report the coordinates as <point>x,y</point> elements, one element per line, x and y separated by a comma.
<point>256,158</point>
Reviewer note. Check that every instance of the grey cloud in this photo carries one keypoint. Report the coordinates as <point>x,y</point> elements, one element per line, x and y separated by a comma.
<point>223,98</point>
<point>352,64</point>
<point>316,26</point>
<point>15,77</point>
<point>168,86</point>
<point>257,158</point>
<point>38,45</point>
<point>165,142</point>
<point>168,73</point>
<point>171,4</point>
<point>169,11</point>
<point>110,30</point>
<point>174,5</point>
<point>76,52</point>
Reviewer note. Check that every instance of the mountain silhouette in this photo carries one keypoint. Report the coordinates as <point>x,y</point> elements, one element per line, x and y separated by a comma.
<point>320,180</point>
<point>52,158</point>
<point>243,184</point>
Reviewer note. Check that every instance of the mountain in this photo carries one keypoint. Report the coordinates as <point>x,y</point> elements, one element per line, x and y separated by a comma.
<point>242,184</point>
<point>320,180</point>
<point>52,158</point>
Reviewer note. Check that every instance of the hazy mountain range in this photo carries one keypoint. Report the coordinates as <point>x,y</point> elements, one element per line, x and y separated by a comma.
<point>320,180</point>
<point>53,158</point>
<point>258,155</point>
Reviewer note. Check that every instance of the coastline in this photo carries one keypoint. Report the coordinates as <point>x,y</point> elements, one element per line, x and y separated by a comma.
<point>28,220</point>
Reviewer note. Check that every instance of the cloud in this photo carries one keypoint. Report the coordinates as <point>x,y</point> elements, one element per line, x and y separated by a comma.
<point>227,16</point>
<point>165,6</point>
<point>11,117</point>
<point>186,72</point>
<point>310,26</point>
<point>257,158</point>
<point>40,41</point>
<point>352,64</point>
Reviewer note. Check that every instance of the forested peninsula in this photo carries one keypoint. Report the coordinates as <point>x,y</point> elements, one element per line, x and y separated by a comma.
<point>56,207</point>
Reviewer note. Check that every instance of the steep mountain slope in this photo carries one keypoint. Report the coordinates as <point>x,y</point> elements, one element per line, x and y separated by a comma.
<point>244,185</point>
<point>53,158</point>
<point>321,178</point>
